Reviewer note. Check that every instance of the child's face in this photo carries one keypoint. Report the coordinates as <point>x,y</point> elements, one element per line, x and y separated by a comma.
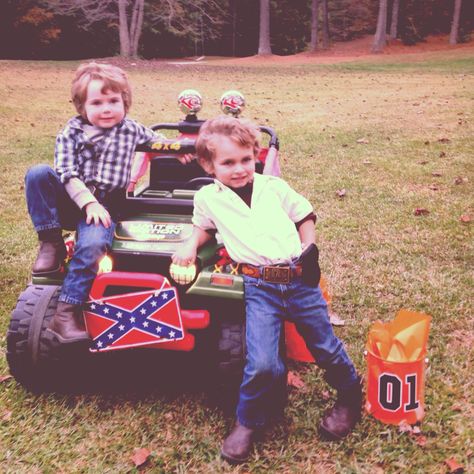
<point>233,164</point>
<point>103,109</point>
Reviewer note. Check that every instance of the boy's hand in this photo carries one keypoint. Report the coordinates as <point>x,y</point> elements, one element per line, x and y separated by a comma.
<point>131,186</point>
<point>185,159</point>
<point>97,213</point>
<point>184,256</point>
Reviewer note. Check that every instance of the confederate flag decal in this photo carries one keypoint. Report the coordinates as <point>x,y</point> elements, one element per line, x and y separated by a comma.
<point>134,319</point>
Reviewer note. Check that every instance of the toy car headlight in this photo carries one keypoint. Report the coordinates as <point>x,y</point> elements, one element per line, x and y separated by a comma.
<point>183,275</point>
<point>105,264</point>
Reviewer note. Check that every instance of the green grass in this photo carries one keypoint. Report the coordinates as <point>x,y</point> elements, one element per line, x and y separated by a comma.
<point>376,254</point>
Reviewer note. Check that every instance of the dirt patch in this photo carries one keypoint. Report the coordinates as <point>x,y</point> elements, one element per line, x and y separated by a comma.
<point>349,51</point>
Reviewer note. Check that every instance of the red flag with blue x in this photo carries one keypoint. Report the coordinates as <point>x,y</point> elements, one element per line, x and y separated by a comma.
<point>134,319</point>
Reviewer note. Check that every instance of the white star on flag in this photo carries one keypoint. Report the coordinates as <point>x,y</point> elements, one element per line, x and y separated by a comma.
<point>121,327</point>
<point>145,324</point>
<point>111,336</point>
<point>106,310</point>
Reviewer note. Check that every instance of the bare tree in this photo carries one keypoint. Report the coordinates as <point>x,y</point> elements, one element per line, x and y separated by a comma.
<point>453,37</point>
<point>178,16</point>
<point>325,24</point>
<point>380,37</point>
<point>264,31</point>
<point>314,45</point>
<point>394,22</point>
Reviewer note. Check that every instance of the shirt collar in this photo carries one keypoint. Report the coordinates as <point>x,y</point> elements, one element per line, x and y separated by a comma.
<point>78,123</point>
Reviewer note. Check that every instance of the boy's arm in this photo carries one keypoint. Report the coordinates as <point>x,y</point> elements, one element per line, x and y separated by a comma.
<point>186,254</point>
<point>139,167</point>
<point>307,233</point>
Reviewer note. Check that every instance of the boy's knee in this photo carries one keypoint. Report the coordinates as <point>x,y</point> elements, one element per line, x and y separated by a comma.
<point>38,173</point>
<point>268,368</point>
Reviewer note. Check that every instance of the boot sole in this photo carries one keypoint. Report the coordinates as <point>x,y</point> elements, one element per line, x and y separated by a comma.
<point>233,460</point>
<point>62,340</point>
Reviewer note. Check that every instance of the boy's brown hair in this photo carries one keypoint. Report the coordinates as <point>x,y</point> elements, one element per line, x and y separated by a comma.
<point>114,78</point>
<point>241,131</point>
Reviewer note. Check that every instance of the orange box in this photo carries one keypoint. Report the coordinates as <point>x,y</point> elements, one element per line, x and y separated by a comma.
<point>395,390</point>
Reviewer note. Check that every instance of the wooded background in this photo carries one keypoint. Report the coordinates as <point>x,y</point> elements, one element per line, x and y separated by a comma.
<point>75,29</point>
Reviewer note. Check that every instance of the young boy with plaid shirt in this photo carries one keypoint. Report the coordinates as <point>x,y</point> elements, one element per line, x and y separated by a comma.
<point>268,229</point>
<point>86,190</point>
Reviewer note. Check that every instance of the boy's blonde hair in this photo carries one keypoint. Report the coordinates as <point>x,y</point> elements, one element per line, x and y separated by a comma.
<point>114,78</point>
<point>241,131</point>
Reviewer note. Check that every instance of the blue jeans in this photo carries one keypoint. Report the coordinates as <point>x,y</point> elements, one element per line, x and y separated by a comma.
<point>267,306</point>
<point>50,207</point>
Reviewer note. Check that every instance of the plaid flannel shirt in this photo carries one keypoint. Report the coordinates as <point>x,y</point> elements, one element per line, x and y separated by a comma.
<point>105,164</point>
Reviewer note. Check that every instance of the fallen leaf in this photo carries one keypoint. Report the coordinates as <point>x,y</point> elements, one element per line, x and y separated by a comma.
<point>404,427</point>
<point>345,145</point>
<point>444,140</point>
<point>335,319</point>
<point>362,141</point>
<point>367,162</point>
<point>436,174</point>
<point>294,380</point>
<point>465,218</point>
<point>421,440</point>
<point>453,466</point>
<point>325,395</point>
<point>420,211</point>
<point>433,187</point>
<point>423,162</point>
<point>341,193</point>
<point>416,430</point>
<point>460,180</point>
<point>140,456</point>
<point>427,142</point>
<point>6,416</point>
<point>4,378</point>
<point>442,154</point>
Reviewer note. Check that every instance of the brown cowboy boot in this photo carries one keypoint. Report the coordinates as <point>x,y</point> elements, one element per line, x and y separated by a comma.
<point>50,257</point>
<point>341,419</point>
<point>68,323</point>
<point>237,446</point>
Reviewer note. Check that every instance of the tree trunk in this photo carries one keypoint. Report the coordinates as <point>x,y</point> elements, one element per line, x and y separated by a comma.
<point>453,37</point>
<point>234,25</point>
<point>314,46</point>
<point>264,34</point>
<point>123,29</point>
<point>381,32</point>
<point>394,22</point>
<point>325,25</point>
<point>136,26</point>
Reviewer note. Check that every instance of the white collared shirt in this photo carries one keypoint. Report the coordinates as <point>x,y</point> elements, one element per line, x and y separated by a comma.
<point>263,234</point>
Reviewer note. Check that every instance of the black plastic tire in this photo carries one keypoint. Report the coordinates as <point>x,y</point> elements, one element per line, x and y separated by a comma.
<point>35,356</point>
<point>230,363</point>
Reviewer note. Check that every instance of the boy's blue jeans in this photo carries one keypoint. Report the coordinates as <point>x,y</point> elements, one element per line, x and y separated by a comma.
<point>50,207</point>
<point>267,306</point>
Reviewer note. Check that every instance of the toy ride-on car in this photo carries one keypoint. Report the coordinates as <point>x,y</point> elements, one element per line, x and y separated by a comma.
<point>141,305</point>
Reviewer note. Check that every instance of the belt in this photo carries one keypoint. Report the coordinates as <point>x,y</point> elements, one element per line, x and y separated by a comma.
<point>103,196</point>
<point>272,273</point>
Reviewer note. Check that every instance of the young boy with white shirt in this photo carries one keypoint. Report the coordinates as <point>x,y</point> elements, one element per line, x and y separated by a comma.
<point>85,191</point>
<point>268,228</point>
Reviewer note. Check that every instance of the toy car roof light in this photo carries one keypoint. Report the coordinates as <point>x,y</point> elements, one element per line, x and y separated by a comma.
<point>190,102</point>
<point>232,102</point>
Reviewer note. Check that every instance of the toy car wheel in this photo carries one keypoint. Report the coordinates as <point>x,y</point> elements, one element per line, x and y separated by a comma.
<point>35,356</point>
<point>231,361</point>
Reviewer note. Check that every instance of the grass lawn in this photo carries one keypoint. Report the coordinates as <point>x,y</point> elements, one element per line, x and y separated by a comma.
<point>416,122</point>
